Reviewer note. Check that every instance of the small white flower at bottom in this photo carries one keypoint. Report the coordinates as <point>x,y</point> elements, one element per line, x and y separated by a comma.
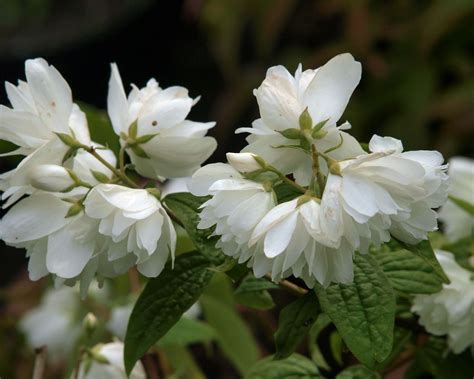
<point>451,311</point>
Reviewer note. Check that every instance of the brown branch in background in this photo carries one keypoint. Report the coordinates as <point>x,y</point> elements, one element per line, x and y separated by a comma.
<point>289,286</point>
<point>151,366</point>
<point>134,280</point>
<point>40,363</point>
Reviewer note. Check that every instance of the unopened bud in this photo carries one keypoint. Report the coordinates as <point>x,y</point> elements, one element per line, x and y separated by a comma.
<point>245,162</point>
<point>52,178</point>
<point>90,323</point>
<point>305,120</point>
<point>69,140</point>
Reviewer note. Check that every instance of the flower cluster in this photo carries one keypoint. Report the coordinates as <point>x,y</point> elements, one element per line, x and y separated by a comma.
<point>451,311</point>
<point>303,196</point>
<point>83,216</point>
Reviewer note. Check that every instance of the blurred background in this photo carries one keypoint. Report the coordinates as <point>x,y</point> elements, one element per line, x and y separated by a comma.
<point>417,83</point>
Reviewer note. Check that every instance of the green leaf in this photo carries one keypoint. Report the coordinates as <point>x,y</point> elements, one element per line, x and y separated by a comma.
<point>400,339</point>
<point>358,372</point>
<point>294,323</point>
<point>293,367</point>
<point>253,284</point>
<point>409,273</point>
<point>182,362</point>
<point>233,334</point>
<point>186,332</point>
<point>253,293</point>
<point>364,311</point>
<point>162,303</point>
<point>425,252</point>
<point>185,207</point>
<point>432,359</point>
<point>316,355</point>
<point>462,250</point>
<point>286,192</point>
<point>463,204</point>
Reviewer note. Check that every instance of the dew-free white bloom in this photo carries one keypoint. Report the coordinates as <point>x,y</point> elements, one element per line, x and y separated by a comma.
<point>70,248</point>
<point>236,206</point>
<point>57,316</point>
<point>136,222</point>
<point>283,97</point>
<point>297,238</point>
<point>458,222</point>
<point>451,311</point>
<point>52,178</point>
<point>106,362</point>
<point>397,188</point>
<point>41,106</point>
<point>179,146</point>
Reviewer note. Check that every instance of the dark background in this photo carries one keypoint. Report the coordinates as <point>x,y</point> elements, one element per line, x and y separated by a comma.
<point>417,58</point>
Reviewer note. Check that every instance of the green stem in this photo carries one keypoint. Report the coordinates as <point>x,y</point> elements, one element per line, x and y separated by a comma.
<point>117,172</point>
<point>122,160</point>
<point>316,170</point>
<point>286,180</point>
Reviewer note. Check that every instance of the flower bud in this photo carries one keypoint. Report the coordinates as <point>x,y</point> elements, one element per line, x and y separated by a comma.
<point>90,323</point>
<point>52,178</point>
<point>244,162</point>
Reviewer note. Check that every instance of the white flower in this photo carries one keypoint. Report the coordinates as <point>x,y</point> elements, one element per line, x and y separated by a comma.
<point>106,362</point>
<point>118,322</point>
<point>42,106</point>
<point>55,323</point>
<point>457,221</point>
<point>282,98</point>
<point>387,190</point>
<point>296,238</point>
<point>179,145</point>
<point>135,220</point>
<point>236,206</point>
<point>57,242</point>
<point>52,178</point>
<point>243,162</point>
<point>451,311</point>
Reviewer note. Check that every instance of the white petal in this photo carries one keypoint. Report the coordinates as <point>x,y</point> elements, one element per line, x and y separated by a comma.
<point>68,253</point>
<point>117,105</point>
<point>385,144</point>
<point>51,94</point>
<point>22,128</point>
<point>174,157</point>
<point>34,217</point>
<point>277,99</point>
<point>207,175</point>
<point>329,92</point>
<point>280,235</point>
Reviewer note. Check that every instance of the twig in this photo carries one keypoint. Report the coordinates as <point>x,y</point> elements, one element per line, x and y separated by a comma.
<point>40,363</point>
<point>285,179</point>
<point>134,280</point>
<point>91,150</point>
<point>289,286</point>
